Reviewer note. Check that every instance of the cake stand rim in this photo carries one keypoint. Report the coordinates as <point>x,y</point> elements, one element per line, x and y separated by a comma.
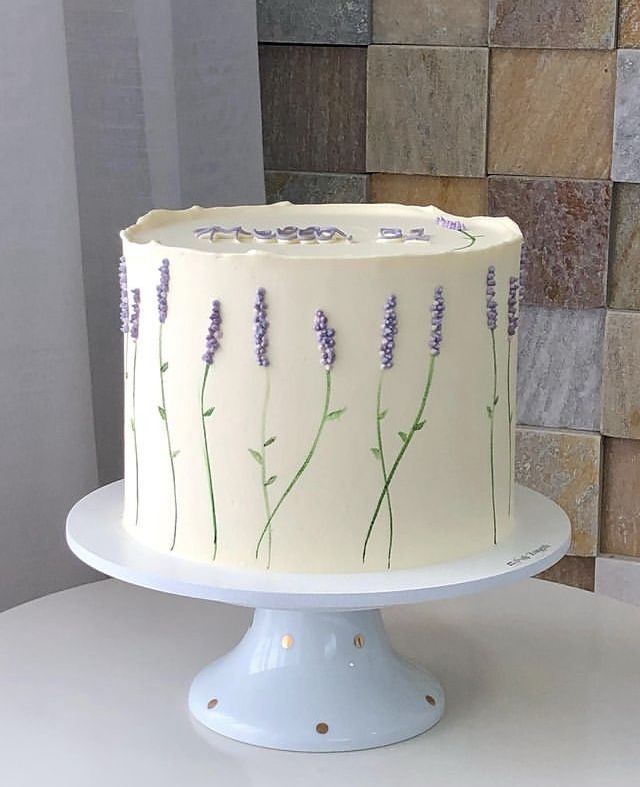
<point>541,536</point>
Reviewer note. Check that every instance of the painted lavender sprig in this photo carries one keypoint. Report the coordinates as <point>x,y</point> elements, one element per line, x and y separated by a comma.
<point>457,226</point>
<point>124,310</point>
<point>162,291</point>
<point>212,344</point>
<point>389,330</point>
<point>437,310</point>
<point>134,332</point>
<point>325,336</point>
<point>513,317</point>
<point>261,344</point>
<point>492,323</point>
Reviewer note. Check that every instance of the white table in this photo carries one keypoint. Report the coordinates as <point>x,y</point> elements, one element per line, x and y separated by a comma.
<point>542,683</point>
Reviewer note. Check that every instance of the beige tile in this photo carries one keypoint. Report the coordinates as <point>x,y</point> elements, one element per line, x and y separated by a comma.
<point>434,22</point>
<point>624,255</point>
<point>621,375</point>
<point>551,112</point>
<point>579,572</point>
<point>426,110</point>
<point>621,498</point>
<point>462,196</point>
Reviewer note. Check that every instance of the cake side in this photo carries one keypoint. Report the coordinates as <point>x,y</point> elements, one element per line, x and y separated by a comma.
<point>259,432</point>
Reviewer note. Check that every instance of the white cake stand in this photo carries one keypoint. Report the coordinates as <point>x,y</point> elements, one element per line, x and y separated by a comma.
<point>315,671</point>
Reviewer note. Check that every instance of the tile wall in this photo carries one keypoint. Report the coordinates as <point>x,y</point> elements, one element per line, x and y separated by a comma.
<point>529,108</point>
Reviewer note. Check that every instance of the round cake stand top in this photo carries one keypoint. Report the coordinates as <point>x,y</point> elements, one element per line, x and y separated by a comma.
<point>539,539</point>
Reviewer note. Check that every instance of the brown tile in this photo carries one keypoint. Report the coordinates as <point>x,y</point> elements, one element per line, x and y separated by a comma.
<point>624,254</point>
<point>302,187</point>
<point>621,375</point>
<point>579,572</point>
<point>419,99</point>
<point>435,22</point>
<point>565,224</point>
<point>621,498</point>
<point>564,466</point>
<point>313,107</point>
<point>462,196</point>
<point>629,23</point>
<point>548,24</point>
<point>551,112</point>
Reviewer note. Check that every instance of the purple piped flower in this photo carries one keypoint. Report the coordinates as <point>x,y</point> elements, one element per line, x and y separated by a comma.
<point>162,291</point>
<point>260,327</point>
<point>512,306</point>
<point>326,339</point>
<point>389,330</point>
<point>124,297</point>
<point>450,224</point>
<point>134,324</point>
<point>437,317</point>
<point>212,342</point>
<point>492,305</point>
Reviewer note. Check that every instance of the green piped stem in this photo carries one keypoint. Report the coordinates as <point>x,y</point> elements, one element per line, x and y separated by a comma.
<point>207,457</point>
<point>168,434</point>
<point>263,464</point>
<point>510,420</point>
<point>133,425</point>
<point>491,410</point>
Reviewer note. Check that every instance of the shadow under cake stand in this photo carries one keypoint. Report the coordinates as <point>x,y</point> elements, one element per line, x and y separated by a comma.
<point>316,671</point>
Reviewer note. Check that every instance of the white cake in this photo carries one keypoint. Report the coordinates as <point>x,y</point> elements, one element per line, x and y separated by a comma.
<point>347,402</point>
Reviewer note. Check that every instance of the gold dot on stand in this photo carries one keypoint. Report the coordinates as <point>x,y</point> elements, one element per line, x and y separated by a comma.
<point>322,728</point>
<point>287,641</point>
<point>212,703</point>
<point>431,700</point>
<point>358,641</point>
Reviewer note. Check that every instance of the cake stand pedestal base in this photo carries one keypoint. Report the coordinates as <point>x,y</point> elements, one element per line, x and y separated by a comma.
<point>316,681</point>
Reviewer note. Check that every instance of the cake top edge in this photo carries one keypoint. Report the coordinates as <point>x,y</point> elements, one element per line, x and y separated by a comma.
<point>320,230</point>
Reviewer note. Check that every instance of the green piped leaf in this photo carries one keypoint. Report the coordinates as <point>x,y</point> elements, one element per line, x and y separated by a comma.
<point>133,425</point>
<point>376,452</point>
<point>208,412</point>
<point>164,367</point>
<point>496,400</point>
<point>175,453</point>
<point>335,414</point>
<point>256,455</point>
<point>490,411</point>
<point>163,413</point>
<point>269,441</point>
<point>382,415</point>
<point>270,480</point>
<point>403,436</point>
<point>417,427</point>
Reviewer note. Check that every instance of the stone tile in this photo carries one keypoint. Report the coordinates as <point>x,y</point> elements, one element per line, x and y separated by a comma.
<point>626,131</point>
<point>618,577</point>
<point>436,22</point>
<point>462,196</point>
<point>314,21</point>
<point>419,100</point>
<point>621,498</point>
<point>313,187</point>
<point>579,572</point>
<point>560,367</point>
<point>564,466</point>
<point>565,224</point>
<point>548,24</point>
<point>628,23</point>
<point>624,252</point>
<point>621,375</point>
<point>313,107</point>
<point>551,112</point>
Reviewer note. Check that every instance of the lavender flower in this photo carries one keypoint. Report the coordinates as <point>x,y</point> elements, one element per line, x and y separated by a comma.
<point>450,224</point>
<point>124,298</point>
<point>389,330</point>
<point>492,305</point>
<point>437,316</point>
<point>134,324</point>
<point>326,339</point>
<point>260,327</point>
<point>163,291</point>
<point>512,306</point>
<point>212,342</point>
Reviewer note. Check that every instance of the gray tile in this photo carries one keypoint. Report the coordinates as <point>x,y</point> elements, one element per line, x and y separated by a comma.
<point>419,100</point>
<point>560,367</point>
<point>434,22</point>
<point>314,187</point>
<point>314,21</point>
<point>626,121</point>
